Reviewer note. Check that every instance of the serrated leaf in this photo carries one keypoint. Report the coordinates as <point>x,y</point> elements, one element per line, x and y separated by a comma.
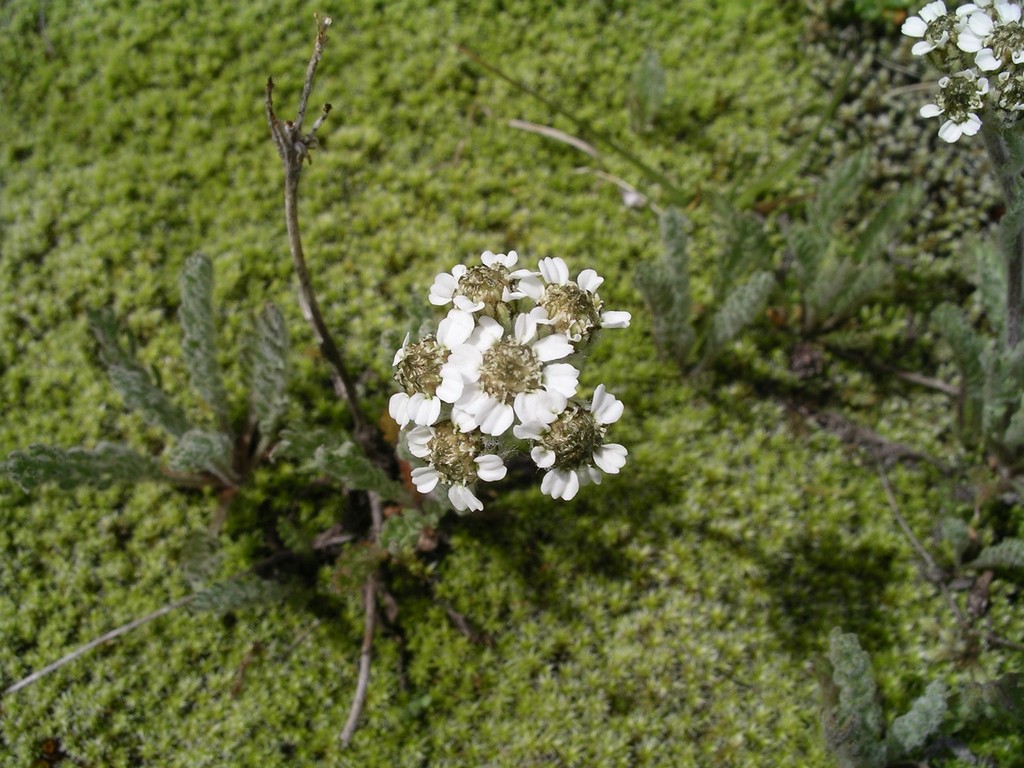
<point>401,532</point>
<point>300,444</point>
<point>955,536</point>
<point>924,719</point>
<point>199,343</point>
<point>665,285</point>
<point>968,354</point>
<point>887,223</point>
<point>867,282</point>
<point>348,466</point>
<point>740,308</point>
<point>838,191</point>
<point>200,558</point>
<point>101,467</point>
<point>853,725</point>
<point>1007,557</point>
<point>1000,700</point>
<point>238,593</point>
<point>134,384</point>
<point>266,360</point>
<point>746,247</point>
<point>990,280</point>
<point>809,248</point>
<point>1004,372</point>
<point>646,92</point>
<point>201,451</point>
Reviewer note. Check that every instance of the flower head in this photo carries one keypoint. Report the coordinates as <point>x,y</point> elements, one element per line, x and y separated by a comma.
<point>959,99</point>
<point>418,369</point>
<point>572,447</point>
<point>500,375</point>
<point>935,26</point>
<point>573,307</point>
<point>456,459</point>
<point>481,287</point>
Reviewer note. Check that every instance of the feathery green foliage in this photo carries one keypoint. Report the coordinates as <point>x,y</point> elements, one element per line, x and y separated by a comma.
<point>646,92</point>
<point>1006,557</point>
<point>834,274</point>
<point>135,385</point>
<point>665,285</point>
<point>200,451</point>
<point>105,465</point>
<point>199,342</point>
<point>852,716</point>
<point>265,358</point>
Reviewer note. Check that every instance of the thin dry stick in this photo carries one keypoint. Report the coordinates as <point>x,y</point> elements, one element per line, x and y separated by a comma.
<point>934,573</point>
<point>369,626</point>
<point>293,147</point>
<point>82,650</point>
<point>557,135</point>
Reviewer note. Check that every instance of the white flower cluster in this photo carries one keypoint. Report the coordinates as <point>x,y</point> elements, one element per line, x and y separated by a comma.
<point>980,48</point>
<point>495,374</point>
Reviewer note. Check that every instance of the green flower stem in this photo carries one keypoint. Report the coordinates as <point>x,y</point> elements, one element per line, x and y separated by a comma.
<point>1013,253</point>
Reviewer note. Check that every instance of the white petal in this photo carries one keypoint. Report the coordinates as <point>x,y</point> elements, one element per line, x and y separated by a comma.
<point>442,290</point>
<point>539,407</point>
<point>950,131</point>
<point>972,126</point>
<point>542,457</point>
<point>418,439</point>
<point>932,11</point>
<point>496,419</point>
<point>463,499</point>
<point>610,458</point>
<point>931,110</point>
<point>1008,12</point>
<point>561,378</point>
<point>488,331</point>
<point>560,484</point>
<point>530,285</point>
<point>615,319</point>
<point>525,328</point>
<point>605,407</point>
<point>920,49</point>
<point>451,387</point>
<point>490,467</point>
<point>398,408</point>
<point>589,280</point>
<point>986,60</point>
<point>554,270</point>
<point>914,26</point>
<point>463,420</point>
<point>455,328</point>
<point>425,479</point>
<point>400,354</point>
<point>529,431</point>
<point>553,347</point>
<point>466,304</point>
<point>424,410</point>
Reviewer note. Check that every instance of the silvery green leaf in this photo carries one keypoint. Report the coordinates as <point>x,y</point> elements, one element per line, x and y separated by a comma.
<point>199,345</point>
<point>105,465</point>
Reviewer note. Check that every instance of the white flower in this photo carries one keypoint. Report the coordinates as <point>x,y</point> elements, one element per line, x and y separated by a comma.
<point>573,307</point>
<point>419,369</point>
<point>474,288</point>
<point>934,26</point>
<point>959,99</point>
<point>572,447</point>
<point>454,459</point>
<point>496,378</point>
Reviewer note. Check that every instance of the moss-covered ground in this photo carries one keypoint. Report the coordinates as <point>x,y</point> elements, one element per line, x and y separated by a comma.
<point>670,617</point>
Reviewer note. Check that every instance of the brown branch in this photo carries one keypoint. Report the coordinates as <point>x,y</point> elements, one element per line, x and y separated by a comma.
<point>369,626</point>
<point>106,638</point>
<point>293,147</point>
<point>934,573</point>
